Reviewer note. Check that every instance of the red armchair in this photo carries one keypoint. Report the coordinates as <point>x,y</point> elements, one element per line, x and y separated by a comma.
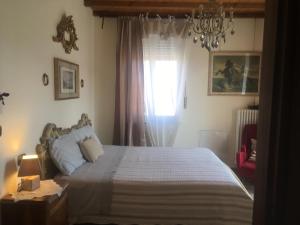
<point>245,167</point>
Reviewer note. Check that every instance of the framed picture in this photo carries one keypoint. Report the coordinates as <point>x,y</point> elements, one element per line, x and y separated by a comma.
<point>66,79</point>
<point>234,73</point>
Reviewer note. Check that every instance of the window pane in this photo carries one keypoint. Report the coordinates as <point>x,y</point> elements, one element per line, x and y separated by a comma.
<point>160,87</point>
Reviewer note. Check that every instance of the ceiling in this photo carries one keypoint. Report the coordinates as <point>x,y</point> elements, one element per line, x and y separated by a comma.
<point>178,8</point>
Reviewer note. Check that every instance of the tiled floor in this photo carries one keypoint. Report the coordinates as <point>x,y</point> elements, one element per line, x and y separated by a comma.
<point>249,186</point>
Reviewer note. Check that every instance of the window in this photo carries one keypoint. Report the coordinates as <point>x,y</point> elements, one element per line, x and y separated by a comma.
<point>160,87</point>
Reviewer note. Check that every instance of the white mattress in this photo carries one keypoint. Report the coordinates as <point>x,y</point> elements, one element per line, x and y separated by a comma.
<point>147,186</point>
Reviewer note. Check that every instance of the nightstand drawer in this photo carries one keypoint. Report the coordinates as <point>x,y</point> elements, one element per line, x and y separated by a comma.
<point>23,213</point>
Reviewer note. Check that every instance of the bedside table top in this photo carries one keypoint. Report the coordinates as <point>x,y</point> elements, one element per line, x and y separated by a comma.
<point>9,198</point>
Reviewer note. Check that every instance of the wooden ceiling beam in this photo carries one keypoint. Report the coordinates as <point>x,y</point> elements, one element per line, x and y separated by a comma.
<point>171,9</point>
<point>177,15</point>
<point>178,8</point>
<point>166,2</point>
<point>258,7</point>
<point>193,4</point>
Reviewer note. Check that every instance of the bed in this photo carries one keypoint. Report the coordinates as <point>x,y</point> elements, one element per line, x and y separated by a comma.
<point>150,185</point>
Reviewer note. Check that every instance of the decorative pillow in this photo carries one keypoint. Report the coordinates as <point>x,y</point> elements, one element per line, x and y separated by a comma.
<point>66,154</point>
<point>91,149</point>
<point>253,150</point>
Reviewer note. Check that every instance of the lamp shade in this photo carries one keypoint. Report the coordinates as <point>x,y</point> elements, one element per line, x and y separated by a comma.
<point>29,166</point>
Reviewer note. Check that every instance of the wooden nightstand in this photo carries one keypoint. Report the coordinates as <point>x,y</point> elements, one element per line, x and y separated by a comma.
<point>48,210</point>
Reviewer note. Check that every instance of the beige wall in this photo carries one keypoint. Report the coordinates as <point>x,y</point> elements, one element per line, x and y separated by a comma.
<point>203,112</point>
<point>216,112</point>
<point>26,52</point>
<point>105,67</point>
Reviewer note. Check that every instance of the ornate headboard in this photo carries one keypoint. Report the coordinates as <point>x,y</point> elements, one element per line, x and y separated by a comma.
<point>50,133</point>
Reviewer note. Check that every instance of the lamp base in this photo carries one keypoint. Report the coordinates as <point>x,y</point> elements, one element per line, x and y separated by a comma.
<point>30,183</point>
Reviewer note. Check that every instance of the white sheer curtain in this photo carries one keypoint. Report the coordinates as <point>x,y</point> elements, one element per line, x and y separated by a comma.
<point>164,53</point>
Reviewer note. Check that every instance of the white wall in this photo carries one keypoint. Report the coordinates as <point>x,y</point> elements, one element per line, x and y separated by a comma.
<point>216,112</point>
<point>26,52</point>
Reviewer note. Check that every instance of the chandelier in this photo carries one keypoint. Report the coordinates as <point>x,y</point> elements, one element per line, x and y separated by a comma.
<point>209,26</point>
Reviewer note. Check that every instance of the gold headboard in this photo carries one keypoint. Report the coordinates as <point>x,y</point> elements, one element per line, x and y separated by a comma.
<point>50,133</point>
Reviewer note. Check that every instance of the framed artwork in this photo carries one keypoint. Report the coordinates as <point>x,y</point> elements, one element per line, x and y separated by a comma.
<point>234,73</point>
<point>66,79</point>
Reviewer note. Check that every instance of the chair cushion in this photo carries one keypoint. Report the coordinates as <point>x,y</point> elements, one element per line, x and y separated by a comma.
<point>250,131</point>
<point>250,165</point>
<point>252,156</point>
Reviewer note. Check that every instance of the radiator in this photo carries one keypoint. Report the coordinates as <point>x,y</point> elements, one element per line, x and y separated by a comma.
<point>244,116</point>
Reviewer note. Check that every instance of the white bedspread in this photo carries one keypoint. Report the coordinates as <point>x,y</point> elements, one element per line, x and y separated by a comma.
<point>165,186</point>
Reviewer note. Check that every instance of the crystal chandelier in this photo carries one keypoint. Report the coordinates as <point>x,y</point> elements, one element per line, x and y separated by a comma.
<point>209,26</point>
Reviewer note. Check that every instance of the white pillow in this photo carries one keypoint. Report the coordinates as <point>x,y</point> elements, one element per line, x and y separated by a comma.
<point>91,149</point>
<point>83,133</point>
<point>66,154</point>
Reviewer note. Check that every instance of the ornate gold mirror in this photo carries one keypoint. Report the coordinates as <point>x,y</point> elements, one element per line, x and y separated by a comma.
<point>66,34</point>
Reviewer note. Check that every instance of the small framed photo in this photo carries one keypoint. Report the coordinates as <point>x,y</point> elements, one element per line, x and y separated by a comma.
<point>66,79</point>
<point>234,73</point>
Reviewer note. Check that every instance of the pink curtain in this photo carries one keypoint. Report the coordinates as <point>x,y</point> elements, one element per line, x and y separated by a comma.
<point>129,127</point>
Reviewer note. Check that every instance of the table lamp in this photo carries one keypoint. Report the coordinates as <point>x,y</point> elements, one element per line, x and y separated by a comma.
<point>29,172</point>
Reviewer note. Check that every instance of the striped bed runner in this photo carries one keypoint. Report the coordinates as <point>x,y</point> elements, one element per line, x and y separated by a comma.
<point>170,186</point>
